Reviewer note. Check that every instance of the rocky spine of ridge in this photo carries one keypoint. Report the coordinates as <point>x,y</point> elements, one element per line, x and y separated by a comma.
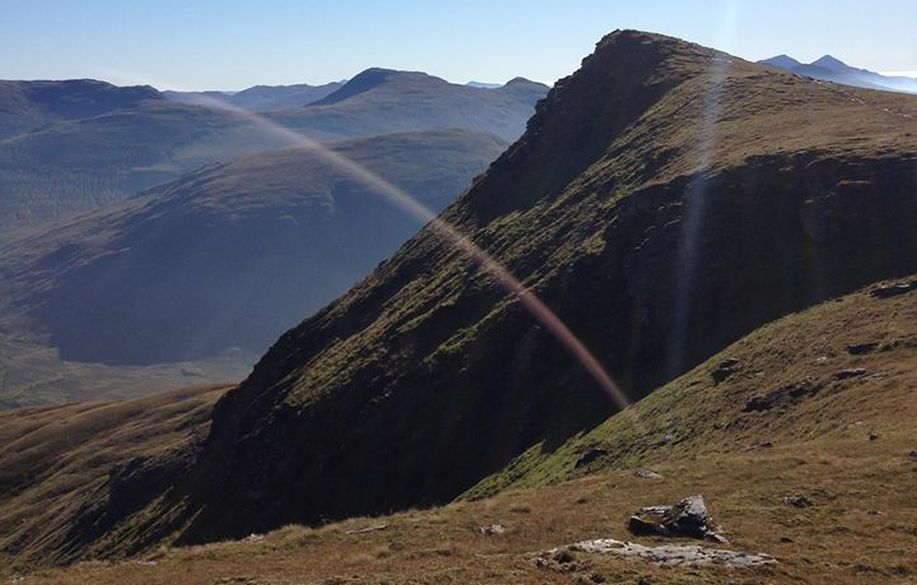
<point>644,189</point>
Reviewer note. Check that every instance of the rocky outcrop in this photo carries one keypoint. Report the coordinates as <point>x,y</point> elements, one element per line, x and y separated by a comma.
<point>664,555</point>
<point>687,517</point>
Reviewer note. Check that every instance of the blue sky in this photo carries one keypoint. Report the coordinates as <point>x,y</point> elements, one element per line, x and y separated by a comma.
<point>230,44</point>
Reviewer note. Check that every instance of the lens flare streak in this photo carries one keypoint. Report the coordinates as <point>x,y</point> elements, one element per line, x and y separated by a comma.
<point>449,233</point>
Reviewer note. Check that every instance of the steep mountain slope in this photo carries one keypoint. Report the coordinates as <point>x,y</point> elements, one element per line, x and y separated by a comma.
<point>857,528</point>
<point>27,105</point>
<point>831,375</point>
<point>664,201</point>
<point>61,465</point>
<point>230,256</point>
<point>260,98</point>
<point>78,166</point>
<point>831,69</point>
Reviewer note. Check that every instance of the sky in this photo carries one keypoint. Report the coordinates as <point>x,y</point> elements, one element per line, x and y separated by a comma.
<point>232,44</point>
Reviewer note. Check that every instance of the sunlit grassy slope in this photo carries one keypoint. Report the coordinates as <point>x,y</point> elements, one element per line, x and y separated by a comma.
<point>861,529</point>
<point>57,464</point>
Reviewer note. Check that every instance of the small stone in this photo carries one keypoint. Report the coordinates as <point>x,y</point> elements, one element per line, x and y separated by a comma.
<point>590,456</point>
<point>875,513</point>
<point>723,371</point>
<point>647,474</point>
<point>564,557</point>
<point>862,348</point>
<point>850,373</point>
<point>786,539</point>
<point>913,454</point>
<point>798,501</point>
<point>873,436</point>
<point>492,530</point>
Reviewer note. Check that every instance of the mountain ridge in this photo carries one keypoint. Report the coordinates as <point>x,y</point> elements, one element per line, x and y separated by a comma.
<point>260,98</point>
<point>27,105</point>
<point>455,337</point>
<point>82,164</point>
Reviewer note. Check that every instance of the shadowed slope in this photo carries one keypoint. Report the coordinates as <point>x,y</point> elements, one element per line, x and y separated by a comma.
<point>232,255</point>
<point>27,105</point>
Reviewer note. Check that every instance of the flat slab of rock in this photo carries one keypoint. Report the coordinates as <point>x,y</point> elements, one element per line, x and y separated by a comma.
<point>668,555</point>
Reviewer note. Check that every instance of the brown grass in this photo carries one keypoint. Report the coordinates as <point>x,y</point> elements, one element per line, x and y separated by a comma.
<point>55,461</point>
<point>862,528</point>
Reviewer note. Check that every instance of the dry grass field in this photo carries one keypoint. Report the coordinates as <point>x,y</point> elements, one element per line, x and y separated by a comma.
<point>847,448</point>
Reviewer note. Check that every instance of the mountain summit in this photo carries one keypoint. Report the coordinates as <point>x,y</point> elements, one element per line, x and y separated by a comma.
<point>829,62</point>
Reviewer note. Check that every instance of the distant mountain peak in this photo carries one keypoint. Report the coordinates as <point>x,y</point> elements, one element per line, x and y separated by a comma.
<point>782,61</point>
<point>829,62</point>
<point>830,68</point>
<point>373,78</point>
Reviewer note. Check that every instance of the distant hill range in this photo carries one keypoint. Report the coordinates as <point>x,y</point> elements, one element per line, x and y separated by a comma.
<point>260,98</point>
<point>63,156</point>
<point>834,70</point>
<point>224,259</point>
<point>28,105</point>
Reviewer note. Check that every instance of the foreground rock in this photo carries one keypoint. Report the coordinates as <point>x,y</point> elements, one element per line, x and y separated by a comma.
<point>688,517</point>
<point>665,555</point>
